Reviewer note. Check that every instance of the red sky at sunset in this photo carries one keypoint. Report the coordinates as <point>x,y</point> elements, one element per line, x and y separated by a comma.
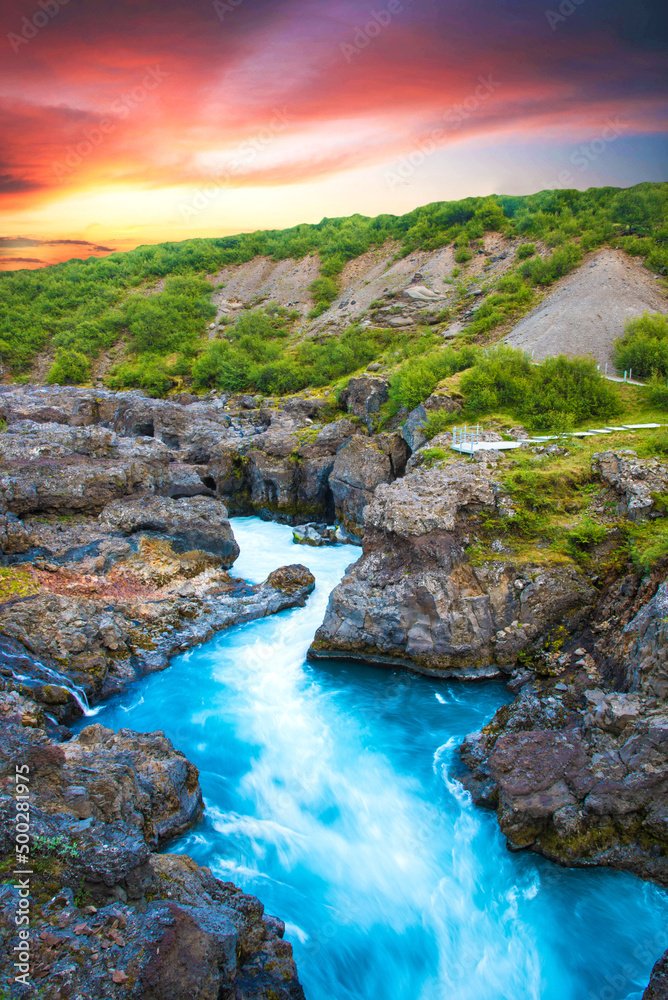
<point>128,122</point>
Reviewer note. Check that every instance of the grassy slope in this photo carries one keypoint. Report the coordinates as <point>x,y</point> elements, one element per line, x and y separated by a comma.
<point>83,308</point>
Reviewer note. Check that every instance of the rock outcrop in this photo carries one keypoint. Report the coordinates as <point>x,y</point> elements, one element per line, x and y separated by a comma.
<point>658,984</point>
<point>102,646</point>
<point>414,599</point>
<point>109,918</point>
<point>577,765</point>
<point>633,479</point>
<point>198,523</point>
<point>363,398</point>
<point>362,464</point>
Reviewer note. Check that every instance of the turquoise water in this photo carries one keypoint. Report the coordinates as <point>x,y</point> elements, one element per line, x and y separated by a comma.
<point>328,796</point>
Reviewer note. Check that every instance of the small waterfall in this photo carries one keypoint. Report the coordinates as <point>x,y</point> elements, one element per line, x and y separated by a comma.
<point>38,671</point>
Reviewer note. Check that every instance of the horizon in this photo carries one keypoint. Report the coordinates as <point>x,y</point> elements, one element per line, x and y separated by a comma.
<point>162,123</point>
<point>108,251</point>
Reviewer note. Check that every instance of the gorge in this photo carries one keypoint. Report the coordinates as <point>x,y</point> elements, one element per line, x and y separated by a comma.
<point>334,788</point>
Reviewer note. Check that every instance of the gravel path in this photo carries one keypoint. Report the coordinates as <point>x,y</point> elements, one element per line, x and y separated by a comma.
<point>585,312</point>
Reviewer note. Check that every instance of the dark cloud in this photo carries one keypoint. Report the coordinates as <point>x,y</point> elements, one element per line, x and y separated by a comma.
<point>9,184</point>
<point>18,242</point>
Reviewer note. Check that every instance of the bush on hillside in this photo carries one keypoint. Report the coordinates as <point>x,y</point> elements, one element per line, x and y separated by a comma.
<point>437,422</point>
<point>657,392</point>
<point>151,374</point>
<point>323,290</point>
<point>644,346</point>
<point>417,377</point>
<point>69,368</point>
<point>221,366</point>
<point>553,396</point>
<point>545,270</point>
<point>165,321</point>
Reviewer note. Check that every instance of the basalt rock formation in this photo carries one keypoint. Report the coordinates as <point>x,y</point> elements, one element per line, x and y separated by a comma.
<point>109,917</point>
<point>576,766</point>
<point>116,548</point>
<point>415,599</point>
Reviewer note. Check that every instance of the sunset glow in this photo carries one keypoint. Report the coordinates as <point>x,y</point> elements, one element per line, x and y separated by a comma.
<point>134,122</point>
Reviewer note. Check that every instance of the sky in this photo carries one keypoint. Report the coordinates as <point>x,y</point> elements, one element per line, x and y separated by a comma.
<point>131,121</point>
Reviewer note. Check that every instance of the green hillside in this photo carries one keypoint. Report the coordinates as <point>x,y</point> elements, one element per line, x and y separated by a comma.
<point>81,308</point>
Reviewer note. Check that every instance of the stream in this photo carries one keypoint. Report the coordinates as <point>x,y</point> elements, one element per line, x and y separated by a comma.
<point>328,796</point>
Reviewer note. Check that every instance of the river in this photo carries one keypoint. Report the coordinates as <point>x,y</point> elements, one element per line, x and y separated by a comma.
<point>328,795</point>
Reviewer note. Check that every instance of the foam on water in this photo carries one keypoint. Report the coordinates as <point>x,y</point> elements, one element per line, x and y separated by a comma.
<point>329,794</point>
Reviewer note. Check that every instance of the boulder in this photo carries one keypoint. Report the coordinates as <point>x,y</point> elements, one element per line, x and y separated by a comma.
<point>362,464</point>
<point>193,523</point>
<point>412,430</point>
<point>364,396</point>
<point>314,534</point>
<point>293,580</point>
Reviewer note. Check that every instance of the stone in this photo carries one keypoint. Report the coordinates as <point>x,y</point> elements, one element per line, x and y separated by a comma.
<point>634,480</point>
<point>364,396</point>
<point>195,523</point>
<point>362,464</point>
<point>314,534</point>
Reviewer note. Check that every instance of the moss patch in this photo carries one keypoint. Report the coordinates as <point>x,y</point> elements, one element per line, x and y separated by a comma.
<point>16,583</point>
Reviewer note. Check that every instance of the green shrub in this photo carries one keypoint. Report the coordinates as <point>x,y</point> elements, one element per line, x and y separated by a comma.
<point>585,535</point>
<point>152,374</point>
<point>657,392</point>
<point>545,270</point>
<point>552,396</point>
<point>323,290</point>
<point>437,422</point>
<point>649,543</point>
<point>432,455</point>
<point>223,367</point>
<point>513,297</point>
<point>418,377</point>
<point>462,254</point>
<point>644,346</point>
<point>69,368</point>
<point>526,250</point>
<point>567,391</point>
<point>163,322</point>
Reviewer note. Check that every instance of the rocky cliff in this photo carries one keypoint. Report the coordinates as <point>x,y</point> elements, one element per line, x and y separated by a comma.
<point>111,918</point>
<point>576,765</point>
<point>116,551</point>
<point>415,599</point>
